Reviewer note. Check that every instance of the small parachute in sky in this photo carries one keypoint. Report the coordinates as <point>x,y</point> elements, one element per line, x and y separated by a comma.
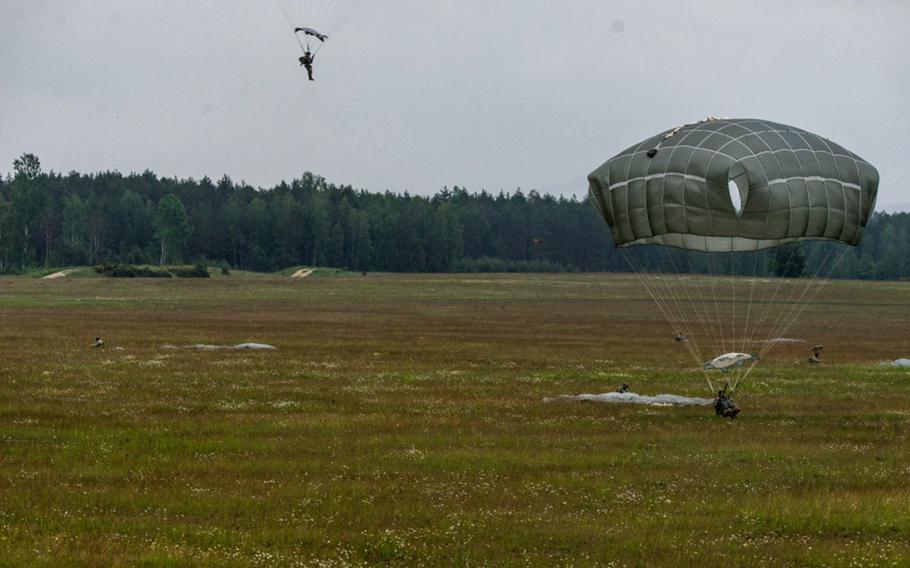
<point>314,21</point>
<point>312,32</point>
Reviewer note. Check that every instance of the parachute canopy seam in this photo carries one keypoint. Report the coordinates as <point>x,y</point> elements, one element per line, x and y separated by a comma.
<point>656,176</point>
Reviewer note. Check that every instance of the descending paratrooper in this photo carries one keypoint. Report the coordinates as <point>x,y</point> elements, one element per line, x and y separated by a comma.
<point>719,190</point>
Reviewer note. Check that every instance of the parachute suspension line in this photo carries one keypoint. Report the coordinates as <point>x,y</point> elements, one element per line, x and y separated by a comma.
<point>779,304</point>
<point>812,289</point>
<point>313,12</point>
<point>333,14</point>
<point>794,302</point>
<point>769,304</point>
<point>660,279</point>
<point>292,20</point>
<point>285,13</point>
<point>289,18</point>
<point>732,261</point>
<point>655,297</point>
<point>337,13</point>
<point>651,289</point>
<point>652,286</point>
<point>695,306</point>
<point>690,342</point>
<point>329,13</point>
<point>312,17</point>
<point>733,283</point>
<point>720,322</point>
<point>672,287</point>
<point>664,308</point>
<point>796,293</point>
<point>769,307</point>
<point>719,277</point>
<point>701,282</point>
<point>700,307</point>
<point>800,306</point>
<point>747,337</point>
<point>303,12</point>
<point>323,15</point>
<point>356,4</point>
<point>824,281</point>
<point>304,19</point>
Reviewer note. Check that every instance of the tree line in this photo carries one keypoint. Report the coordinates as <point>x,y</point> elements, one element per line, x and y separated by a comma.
<point>49,219</point>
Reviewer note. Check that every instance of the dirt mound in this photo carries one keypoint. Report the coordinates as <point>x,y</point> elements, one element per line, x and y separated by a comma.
<point>59,274</point>
<point>303,273</point>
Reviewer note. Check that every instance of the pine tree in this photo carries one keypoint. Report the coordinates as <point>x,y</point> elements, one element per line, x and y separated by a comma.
<point>171,227</point>
<point>788,261</point>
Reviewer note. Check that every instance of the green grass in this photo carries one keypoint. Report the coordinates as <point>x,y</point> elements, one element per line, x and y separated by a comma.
<point>402,422</point>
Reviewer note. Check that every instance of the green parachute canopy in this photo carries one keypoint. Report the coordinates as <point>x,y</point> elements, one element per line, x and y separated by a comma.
<point>679,188</point>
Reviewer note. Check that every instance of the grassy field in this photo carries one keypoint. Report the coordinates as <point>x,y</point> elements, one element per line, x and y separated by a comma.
<point>401,421</point>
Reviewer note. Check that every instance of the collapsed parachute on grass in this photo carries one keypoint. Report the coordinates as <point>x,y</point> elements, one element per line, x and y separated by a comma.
<point>635,398</point>
<point>742,217</point>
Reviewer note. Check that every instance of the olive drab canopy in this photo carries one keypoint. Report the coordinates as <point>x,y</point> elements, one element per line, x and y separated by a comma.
<point>675,188</point>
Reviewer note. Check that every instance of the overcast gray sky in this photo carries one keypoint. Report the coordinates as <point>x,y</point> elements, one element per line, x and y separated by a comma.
<point>417,94</point>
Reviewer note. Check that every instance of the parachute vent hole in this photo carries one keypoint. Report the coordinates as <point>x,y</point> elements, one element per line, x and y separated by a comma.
<point>736,197</point>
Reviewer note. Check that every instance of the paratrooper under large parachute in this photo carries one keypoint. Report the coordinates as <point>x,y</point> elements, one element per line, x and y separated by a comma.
<point>696,210</point>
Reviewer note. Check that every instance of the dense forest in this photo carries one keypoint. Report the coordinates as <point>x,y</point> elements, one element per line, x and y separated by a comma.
<point>48,219</point>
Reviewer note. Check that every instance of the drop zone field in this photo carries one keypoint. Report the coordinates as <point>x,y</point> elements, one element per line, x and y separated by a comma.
<point>401,421</point>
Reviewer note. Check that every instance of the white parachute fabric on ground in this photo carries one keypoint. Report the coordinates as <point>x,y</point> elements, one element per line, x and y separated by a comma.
<point>781,341</point>
<point>239,347</point>
<point>897,363</point>
<point>634,398</point>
